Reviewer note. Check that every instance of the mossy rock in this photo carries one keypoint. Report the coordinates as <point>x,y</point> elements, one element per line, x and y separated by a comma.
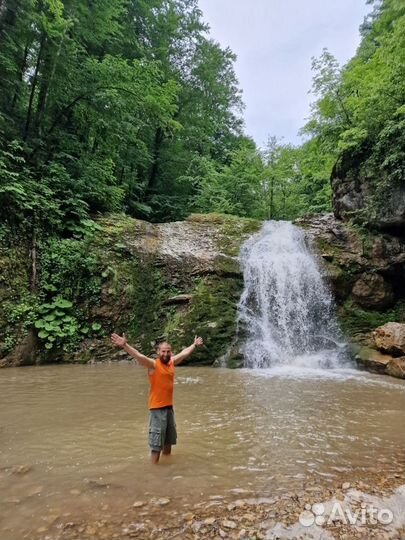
<point>144,285</point>
<point>137,285</point>
<point>212,314</point>
<point>358,323</point>
<point>231,230</point>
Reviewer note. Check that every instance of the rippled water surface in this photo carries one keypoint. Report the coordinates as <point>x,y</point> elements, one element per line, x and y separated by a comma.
<point>74,438</point>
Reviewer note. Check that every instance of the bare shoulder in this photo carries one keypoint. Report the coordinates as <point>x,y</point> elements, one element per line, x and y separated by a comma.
<point>151,365</point>
<point>146,362</point>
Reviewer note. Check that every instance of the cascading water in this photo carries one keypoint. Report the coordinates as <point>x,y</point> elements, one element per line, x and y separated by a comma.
<point>286,312</point>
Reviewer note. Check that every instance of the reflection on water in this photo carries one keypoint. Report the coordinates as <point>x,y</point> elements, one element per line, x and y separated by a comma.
<point>74,438</point>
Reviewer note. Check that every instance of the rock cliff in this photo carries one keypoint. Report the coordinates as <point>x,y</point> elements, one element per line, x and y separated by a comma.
<point>158,281</point>
<point>367,274</point>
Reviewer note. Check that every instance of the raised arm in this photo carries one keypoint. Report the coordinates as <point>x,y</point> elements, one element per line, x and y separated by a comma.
<point>185,353</point>
<point>143,360</point>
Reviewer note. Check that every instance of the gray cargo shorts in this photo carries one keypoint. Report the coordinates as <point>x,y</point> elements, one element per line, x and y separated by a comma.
<point>162,428</point>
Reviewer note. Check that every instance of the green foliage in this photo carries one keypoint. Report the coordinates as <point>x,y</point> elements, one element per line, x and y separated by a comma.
<point>211,193</point>
<point>24,202</point>
<point>358,116</point>
<point>23,311</point>
<point>352,138</point>
<point>69,284</point>
<point>385,165</point>
<point>132,107</point>
<point>70,268</point>
<point>103,107</point>
<point>19,317</point>
<point>293,181</point>
<point>58,326</point>
<point>282,182</point>
<point>55,322</point>
<point>355,320</point>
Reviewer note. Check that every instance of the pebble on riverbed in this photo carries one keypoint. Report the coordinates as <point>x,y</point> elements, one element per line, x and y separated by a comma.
<point>138,504</point>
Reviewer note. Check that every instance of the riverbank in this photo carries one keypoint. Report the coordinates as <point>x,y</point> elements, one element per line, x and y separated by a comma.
<point>344,511</point>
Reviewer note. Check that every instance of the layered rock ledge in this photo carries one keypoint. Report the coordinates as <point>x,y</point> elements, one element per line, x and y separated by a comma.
<point>367,273</point>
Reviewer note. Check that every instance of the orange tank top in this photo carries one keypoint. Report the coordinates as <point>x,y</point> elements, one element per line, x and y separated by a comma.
<point>161,385</point>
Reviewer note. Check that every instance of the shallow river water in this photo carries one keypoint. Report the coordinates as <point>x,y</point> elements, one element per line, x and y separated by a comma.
<point>73,438</point>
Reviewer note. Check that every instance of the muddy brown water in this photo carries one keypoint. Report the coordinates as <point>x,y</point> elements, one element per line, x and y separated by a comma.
<point>73,438</point>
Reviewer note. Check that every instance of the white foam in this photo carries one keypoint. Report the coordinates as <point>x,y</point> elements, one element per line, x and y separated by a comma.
<point>187,380</point>
<point>337,374</point>
<point>286,308</point>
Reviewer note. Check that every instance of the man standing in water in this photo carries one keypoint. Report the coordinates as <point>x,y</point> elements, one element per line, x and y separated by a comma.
<point>162,424</point>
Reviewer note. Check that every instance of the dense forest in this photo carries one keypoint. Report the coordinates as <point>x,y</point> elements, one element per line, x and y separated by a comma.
<point>130,106</point>
<point>116,106</point>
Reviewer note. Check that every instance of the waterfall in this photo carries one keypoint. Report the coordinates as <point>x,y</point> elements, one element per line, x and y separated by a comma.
<point>286,314</point>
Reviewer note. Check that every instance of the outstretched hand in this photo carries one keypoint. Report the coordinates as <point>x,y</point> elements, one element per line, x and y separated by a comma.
<point>198,341</point>
<point>120,341</point>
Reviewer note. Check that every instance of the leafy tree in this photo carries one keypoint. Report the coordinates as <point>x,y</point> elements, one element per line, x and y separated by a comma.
<point>358,115</point>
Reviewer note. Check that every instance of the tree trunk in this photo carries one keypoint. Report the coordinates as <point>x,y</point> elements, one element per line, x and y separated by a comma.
<point>33,255</point>
<point>153,176</point>
<point>20,78</point>
<point>33,87</point>
<point>48,74</point>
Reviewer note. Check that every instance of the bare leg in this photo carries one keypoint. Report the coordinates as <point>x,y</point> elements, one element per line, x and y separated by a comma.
<point>155,457</point>
<point>167,449</point>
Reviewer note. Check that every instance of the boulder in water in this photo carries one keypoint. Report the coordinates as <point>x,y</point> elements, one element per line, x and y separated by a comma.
<point>378,362</point>
<point>396,367</point>
<point>390,338</point>
<point>373,360</point>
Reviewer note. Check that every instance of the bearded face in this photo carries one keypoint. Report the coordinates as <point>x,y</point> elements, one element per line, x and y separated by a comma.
<point>164,352</point>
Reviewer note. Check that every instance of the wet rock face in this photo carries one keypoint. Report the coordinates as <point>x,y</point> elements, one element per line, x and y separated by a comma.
<point>396,367</point>
<point>372,291</point>
<point>392,215</point>
<point>390,338</point>
<point>350,196</point>
<point>366,272</point>
<point>349,193</point>
<point>24,354</point>
<point>193,245</point>
<point>162,281</point>
<point>373,360</point>
<point>171,281</point>
<point>365,268</point>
